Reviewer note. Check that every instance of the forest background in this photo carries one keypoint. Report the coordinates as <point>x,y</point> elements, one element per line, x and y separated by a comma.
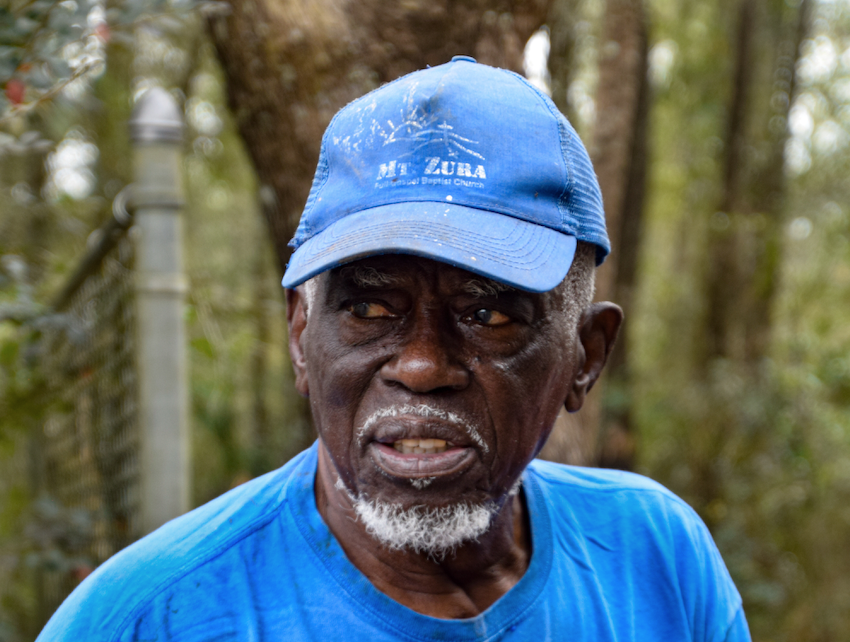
<point>720,131</point>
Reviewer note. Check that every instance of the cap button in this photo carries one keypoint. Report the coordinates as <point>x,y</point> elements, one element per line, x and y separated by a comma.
<point>464,58</point>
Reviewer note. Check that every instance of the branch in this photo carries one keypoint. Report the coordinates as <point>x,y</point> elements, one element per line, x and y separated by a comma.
<point>19,110</point>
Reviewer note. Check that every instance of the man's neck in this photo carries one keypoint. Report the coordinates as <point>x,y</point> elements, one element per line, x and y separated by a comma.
<point>461,585</point>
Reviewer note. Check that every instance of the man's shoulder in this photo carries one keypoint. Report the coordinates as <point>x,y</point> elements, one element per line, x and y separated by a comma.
<point>596,480</point>
<point>586,493</point>
<point>640,540</point>
<point>126,582</point>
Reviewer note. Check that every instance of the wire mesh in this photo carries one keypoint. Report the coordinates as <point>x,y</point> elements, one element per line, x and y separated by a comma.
<point>90,443</point>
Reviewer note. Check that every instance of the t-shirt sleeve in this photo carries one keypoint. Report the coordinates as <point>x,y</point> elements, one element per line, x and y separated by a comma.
<point>708,592</point>
<point>738,630</point>
<point>87,614</point>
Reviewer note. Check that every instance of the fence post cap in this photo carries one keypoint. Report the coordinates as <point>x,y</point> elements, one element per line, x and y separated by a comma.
<point>156,118</point>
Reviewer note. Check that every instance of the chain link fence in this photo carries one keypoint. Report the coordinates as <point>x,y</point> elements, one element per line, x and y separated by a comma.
<point>106,400</point>
<point>89,446</point>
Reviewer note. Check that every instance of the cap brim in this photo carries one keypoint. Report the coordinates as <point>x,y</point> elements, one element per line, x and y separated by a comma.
<point>524,255</point>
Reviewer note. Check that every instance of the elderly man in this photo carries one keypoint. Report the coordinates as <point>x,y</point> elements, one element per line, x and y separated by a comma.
<point>440,316</point>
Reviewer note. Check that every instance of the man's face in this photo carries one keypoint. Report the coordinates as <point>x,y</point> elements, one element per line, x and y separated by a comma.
<point>404,348</point>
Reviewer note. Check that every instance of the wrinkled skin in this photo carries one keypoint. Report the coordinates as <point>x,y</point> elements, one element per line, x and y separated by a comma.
<point>504,363</point>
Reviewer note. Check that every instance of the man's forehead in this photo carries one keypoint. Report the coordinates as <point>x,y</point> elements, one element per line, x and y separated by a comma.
<point>396,269</point>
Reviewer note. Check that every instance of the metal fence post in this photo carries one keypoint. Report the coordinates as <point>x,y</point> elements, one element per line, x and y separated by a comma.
<point>157,132</point>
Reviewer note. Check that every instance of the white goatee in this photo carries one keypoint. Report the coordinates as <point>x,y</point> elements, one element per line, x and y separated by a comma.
<point>433,531</point>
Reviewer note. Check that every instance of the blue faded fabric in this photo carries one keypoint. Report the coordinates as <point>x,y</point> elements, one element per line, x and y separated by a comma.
<point>463,163</point>
<point>615,557</point>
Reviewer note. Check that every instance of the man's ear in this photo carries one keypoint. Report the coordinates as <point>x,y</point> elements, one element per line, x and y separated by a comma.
<point>598,329</point>
<point>296,319</point>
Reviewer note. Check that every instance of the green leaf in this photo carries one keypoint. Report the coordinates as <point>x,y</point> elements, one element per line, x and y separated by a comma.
<point>58,67</point>
<point>9,353</point>
<point>7,70</point>
<point>25,26</point>
<point>203,345</point>
<point>7,20</point>
<point>168,24</point>
<point>38,78</point>
<point>61,20</point>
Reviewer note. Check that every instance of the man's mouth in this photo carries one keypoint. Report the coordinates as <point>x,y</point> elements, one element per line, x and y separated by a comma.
<point>450,423</point>
<point>422,446</point>
<point>408,459</point>
<point>419,441</point>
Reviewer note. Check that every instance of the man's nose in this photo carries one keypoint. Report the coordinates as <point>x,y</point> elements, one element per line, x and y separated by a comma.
<point>426,361</point>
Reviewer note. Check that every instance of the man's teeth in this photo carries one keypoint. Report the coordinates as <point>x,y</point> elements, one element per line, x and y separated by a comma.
<point>423,446</point>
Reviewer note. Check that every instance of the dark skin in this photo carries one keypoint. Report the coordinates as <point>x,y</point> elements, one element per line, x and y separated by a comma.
<point>505,363</point>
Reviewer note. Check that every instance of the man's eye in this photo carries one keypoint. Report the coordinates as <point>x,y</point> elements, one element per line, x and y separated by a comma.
<point>368,310</point>
<point>490,318</point>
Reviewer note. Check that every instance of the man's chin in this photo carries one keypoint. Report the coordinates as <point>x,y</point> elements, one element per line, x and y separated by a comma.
<point>435,531</point>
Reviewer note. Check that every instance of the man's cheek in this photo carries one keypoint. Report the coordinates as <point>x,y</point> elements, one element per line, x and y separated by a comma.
<point>347,381</point>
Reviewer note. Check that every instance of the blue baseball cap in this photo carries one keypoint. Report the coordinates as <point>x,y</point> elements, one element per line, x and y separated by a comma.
<point>462,163</point>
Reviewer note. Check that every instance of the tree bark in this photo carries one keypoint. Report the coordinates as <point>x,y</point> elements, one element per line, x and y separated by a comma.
<point>261,444</point>
<point>622,72</point>
<point>619,157</point>
<point>291,64</point>
<point>617,440</point>
<point>721,308</point>
<point>744,235</point>
<point>744,248</point>
<point>562,21</point>
<point>768,181</point>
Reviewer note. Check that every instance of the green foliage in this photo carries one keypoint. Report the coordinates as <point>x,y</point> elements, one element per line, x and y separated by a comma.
<point>51,51</point>
<point>21,383</point>
<point>761,450</point>
<point>246,414</point>
<point>43,234</point>
<point>33,34</point>
<point>53,541</point>
<point>22,397</point>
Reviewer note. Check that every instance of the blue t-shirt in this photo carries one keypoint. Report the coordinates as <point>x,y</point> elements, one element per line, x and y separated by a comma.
<point>615,556</point>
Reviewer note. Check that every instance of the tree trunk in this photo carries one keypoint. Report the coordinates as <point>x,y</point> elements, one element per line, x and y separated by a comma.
<point>721,280</point>
<point>261,459</point>
<point>291,64</point>
<point>768,186</point>
<point>744,233</point>
<point>619,157</point>
<point>622,72</point>
<point>618,441</point>
<point>562,60</point>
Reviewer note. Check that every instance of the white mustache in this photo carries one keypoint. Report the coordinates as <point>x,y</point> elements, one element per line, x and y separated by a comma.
<point>426,411</point>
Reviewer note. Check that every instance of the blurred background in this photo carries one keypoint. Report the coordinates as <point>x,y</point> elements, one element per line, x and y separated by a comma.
<point>720,131</point>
